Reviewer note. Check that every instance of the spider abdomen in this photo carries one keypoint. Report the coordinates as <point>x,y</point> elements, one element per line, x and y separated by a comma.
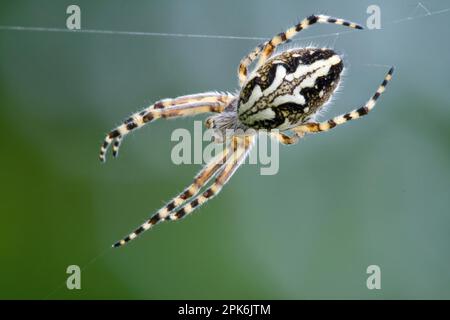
<point>289,88</point>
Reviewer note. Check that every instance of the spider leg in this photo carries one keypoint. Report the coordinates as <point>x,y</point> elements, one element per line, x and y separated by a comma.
<point>313,127</point>
<point>202,178</point>
<point>247,61</point>
<point>168,108</point>
<point>236,159</point>
<point>286,139</point>
<point>204,97</point>
<point>265,50</point>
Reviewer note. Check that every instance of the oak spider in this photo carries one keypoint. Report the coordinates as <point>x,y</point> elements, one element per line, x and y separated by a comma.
<point>283,92</point>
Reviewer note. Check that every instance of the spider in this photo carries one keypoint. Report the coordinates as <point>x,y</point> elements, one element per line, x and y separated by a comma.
<point>282,95</point>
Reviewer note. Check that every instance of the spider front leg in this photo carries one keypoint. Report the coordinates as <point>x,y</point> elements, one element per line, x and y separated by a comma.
<point>313,127</point>
<point>168,108</point>
<point>265,50</point>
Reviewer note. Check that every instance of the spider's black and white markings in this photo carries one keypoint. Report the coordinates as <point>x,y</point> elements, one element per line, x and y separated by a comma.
<point>283,92</point>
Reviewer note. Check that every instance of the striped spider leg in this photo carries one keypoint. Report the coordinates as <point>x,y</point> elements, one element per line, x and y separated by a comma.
<point>265,50</point>
<point>222,167</point>
<point>240,152</point>
<point>313,127</point>
<point>167,108</point>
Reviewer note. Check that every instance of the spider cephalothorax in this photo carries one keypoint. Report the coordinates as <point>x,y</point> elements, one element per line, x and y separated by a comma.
<point>284,92</point>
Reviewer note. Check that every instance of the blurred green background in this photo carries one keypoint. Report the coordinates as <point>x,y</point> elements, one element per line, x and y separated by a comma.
<point>375,191</point>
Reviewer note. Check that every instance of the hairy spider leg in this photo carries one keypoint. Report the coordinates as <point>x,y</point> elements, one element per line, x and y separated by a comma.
<point>240,153</point>
<point>200,180</point>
